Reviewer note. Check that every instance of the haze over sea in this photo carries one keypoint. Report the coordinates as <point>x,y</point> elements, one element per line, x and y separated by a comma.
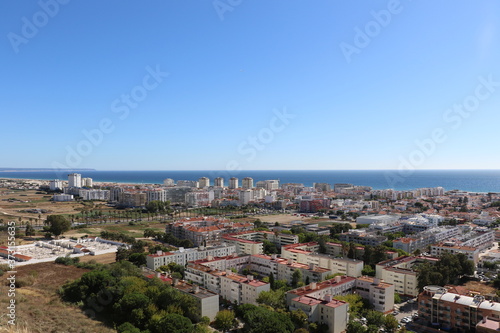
<point>466,180</point>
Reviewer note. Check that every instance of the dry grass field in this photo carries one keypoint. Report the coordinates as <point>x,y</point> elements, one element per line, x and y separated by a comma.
<point>39,308</point>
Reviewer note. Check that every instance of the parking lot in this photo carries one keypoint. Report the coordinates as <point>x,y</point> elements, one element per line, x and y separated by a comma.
<point>408,310</point>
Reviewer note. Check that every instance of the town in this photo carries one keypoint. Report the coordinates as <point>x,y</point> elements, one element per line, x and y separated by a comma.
<point>326,258</point>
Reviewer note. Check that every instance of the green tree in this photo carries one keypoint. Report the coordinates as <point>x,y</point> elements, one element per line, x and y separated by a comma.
<point>269,247</point>
<point>273,298</point>
<point>296,278</point>
<point>171,323</point>
<point>127,328</point>
<point>355,327</point>
<point>355,303</point>
<point>57,224</point>
<point>225,320</point>
<point>30,231</point>
<point>375,318</point>
<point>138,259</point>
<point>390,323</point>
<point>299,318</point>
<point>368,270</point>
<point>258,319</point>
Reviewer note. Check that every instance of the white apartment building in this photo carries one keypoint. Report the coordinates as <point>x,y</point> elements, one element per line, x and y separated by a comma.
<point>233,183</point>
<point>241,289</point>
<point>87,182</point>
<point>203,182</point>
<point>219,182</point>
<point>401,274</point>
<point>103,195</point>
<point>480,238</point>
<point>369,219</point>
<point>231,286</point>
<point>317,300</point>
<point>157,194</point>
<point>245,196</point>
<point>55,185</point>
<point>199,198</point>
<point>247,183</point>
<point>75,180</point>
<point>168,182</point>
<point>183,256</point>
<point>62,197</point>
<point>187,183</point>
<point>472,253</point>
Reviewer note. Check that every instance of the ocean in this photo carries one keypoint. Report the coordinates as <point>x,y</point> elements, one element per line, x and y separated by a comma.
<point>465,180</point>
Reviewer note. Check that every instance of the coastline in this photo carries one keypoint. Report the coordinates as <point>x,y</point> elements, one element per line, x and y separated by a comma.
<point>473,181</point>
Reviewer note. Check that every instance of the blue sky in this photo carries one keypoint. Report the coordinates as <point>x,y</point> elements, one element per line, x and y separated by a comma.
<point>232,67</point>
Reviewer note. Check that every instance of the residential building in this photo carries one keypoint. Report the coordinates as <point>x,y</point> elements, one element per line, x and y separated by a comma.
<point>177,194</point>
<point>133,199</point>
<point>337,188</point>
<point>203,182</point>
<point>55,185</point>
<point>115,194</point>
<point>369,219</point>
<point>74,180</point>
<point>168,182</point>
<point>306,253</point>
<point>362,237</point>
<point>247,183</point>
<point>62,197</point>
<point>233,183</point>
<point>207,302</point>
<point>317,299</point>
<point>87,182</point>
<point>472,253</point>
<point>456,312</point>
<point>199,198</point>
<point>183,256</point>
<point>401,273</point>
<point>94,194</point>
<point>157,194</point>
<point>245,196</point>
<point>219,182</point>
<point>323,187</point>
<point>231,286</point>
<point>187,183</point>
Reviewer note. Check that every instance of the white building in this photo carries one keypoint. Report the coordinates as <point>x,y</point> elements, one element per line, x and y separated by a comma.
<point>94,194</point>
<point>62,197</point>
<point>156,195</point>
<point>55,185</point>
<point>187,183</point>
<point>245,196</point>
<point>233,183</point>
<point>75,180</point>
<point>182,256</point>
<point>369,219</point>
<point>203,182</point>
<point>219,182</point>
<point>87,182</point>
<point>199,198</point>
<point>247,183</point>
<point>168,182</point>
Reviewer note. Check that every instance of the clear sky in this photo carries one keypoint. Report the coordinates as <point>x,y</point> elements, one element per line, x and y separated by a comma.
<point>253,84</point>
